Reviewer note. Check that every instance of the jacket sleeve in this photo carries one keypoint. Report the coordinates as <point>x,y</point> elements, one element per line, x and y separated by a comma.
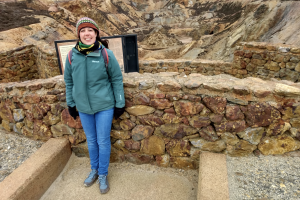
<point>116,80</point>
<point>69,83</point>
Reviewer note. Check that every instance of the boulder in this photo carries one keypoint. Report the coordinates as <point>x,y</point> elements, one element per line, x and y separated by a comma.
<point>18,115</point>
<point>27,131</point>
<point>178,148</point>
<point>140,110</point>
<point>252,135</point>
<point>41,131</point>
<point>141,99</point>
<point>138,158</point>
<point>260,114</point>
<point>151,120</point>
<point>204,145</point>
<point>242,148</point>
<point>51,119</point>
<point>199,122</point>
<point>215,118</point>
<point>162,160</point>
<point>231,126</point>
<point>161,103</point>
<point>170,118</point>
<point>278,127</point>
<point>208,133</point>
<point>278,145</point>
<point>175,131</point>
<point>230,138</point>
<point>295,122</point>
<point>120,134</point>
<point>182,163</point>
<point>169,86</point>
<point>185,108</point>
<point>153,145</point>
<point>7,125</point>
<point>233,113</point>
<point>127,125</point>
<point>61,129</point>
<point>40,110</point>
<point>132,145</point>
<point>141,132</point>
<point>116,156</point>
<point>216,104</point>
<point>6,114</point>
<point>66,118</point>
<point>77,137</point>
<point>292,111</point>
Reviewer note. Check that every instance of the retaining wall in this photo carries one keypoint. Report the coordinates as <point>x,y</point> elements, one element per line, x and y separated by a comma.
<point>169,118</point>
<point>28,63</point>
<point>251,59</point>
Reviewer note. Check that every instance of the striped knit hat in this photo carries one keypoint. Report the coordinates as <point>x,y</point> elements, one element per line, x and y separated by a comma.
<point>86,22</point>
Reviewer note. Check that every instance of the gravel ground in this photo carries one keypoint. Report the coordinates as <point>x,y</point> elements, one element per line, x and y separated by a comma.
<point>14,150</point>
<point>264,177</point>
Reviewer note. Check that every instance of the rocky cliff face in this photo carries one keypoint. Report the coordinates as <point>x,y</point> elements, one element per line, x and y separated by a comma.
<point>166,29</point>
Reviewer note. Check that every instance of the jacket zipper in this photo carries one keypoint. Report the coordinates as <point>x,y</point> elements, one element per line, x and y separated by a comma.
<point>86,89</point>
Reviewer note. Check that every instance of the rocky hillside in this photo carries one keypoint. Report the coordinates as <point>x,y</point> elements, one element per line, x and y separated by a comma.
<point>166,28</point>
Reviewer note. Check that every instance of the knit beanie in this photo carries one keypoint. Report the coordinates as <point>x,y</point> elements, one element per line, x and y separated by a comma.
<point>86,22</point>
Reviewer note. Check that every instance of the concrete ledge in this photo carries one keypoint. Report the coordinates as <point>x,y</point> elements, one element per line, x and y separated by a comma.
<point>31,179</point>
<point>213,182</point>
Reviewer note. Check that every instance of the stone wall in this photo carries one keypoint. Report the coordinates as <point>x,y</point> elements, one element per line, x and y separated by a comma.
<point>205,67</point>
<point>253,59</point>
<point>267,61</point>
<point>28,63</point>
<point>47,62</point>
<point>169,118</point>
<point>18,65</point>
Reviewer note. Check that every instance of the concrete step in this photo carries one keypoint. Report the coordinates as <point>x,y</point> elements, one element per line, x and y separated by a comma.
<point>213,183</point>
<point>31,179</point>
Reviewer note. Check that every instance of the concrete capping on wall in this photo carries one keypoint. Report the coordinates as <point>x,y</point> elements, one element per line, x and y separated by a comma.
<point>170,117</point>
<point>252,59</point>
<point>32,179</point>
<point>27,63</point>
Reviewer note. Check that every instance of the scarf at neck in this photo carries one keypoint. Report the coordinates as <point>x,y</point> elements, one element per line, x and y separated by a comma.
<point>86,49</point>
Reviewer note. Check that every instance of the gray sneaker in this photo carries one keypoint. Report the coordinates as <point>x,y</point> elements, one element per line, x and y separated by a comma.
<point>91,178</point>
<point>103,182</point>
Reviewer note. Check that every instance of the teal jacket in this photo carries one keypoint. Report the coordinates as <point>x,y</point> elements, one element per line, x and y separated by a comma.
<point>87,83</point>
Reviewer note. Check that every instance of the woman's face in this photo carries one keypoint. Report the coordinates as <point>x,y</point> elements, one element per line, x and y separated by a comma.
<point>87,35</point>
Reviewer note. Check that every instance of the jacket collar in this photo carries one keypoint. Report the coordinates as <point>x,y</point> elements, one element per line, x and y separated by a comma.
<point>92,54</point>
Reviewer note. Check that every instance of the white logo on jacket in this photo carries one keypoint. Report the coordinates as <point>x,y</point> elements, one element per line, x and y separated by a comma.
<point>95,61</point>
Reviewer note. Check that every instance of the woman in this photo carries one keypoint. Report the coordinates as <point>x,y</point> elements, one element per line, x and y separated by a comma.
<point>96,93</point>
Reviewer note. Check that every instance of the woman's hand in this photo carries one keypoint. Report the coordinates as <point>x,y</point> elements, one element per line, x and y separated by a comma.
<point>73,112</point>
<point>118,112</point>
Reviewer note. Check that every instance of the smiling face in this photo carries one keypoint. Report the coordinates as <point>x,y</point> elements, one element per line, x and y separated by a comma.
<point>87,35</point>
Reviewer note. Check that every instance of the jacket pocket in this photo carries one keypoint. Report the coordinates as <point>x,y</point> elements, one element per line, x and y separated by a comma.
<point>101,96</point>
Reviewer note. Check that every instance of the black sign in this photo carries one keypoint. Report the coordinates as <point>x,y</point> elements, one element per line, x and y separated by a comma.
<point>124,48</point>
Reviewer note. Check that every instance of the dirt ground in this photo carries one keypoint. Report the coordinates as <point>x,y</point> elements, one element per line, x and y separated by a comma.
<point>127,181</point>
<point>17,14</point>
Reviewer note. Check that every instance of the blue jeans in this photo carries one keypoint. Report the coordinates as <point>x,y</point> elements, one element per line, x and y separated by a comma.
<point>97,130</point>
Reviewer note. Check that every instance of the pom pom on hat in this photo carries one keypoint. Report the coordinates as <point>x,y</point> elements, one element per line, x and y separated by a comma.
<point>86,22</point>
